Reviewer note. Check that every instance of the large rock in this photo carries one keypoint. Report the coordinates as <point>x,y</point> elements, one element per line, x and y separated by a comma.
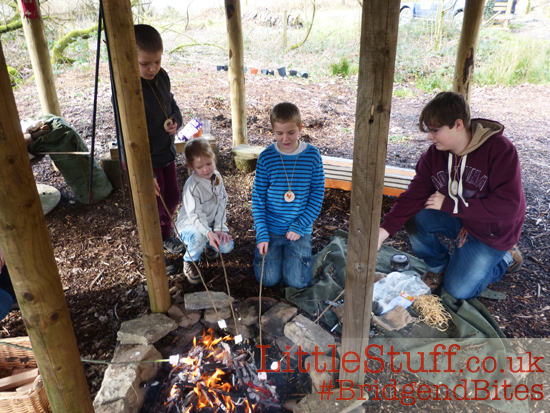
<point>121,382</point>
<point>202,301</point>
<point>312,403</point>
<point>183,317</point>
<point>210,316</point>
<point>247,310</point>
<point>302,332</point>
<point>319,372</point>
<point>146,330</point>
<point>276,317</point>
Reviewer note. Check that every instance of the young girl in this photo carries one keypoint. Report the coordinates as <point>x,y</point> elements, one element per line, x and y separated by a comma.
<point>201,219</point>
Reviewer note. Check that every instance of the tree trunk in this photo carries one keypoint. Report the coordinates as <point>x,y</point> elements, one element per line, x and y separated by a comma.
<point>122,44</point>
<point>465,56</point>
<point>40,59</point>
<point>29,257</point>
<point>236,71</point>
<point>376,70</point>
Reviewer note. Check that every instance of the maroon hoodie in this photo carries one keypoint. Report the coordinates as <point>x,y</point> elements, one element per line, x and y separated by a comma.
<point>490,201</point>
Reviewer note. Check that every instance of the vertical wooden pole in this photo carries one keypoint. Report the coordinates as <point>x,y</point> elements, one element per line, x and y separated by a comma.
<point>465,56</point>
<point>40,59</point>
<point>236,71</point>
<point>28,251</point>
<point>376,70</point>
<point>122,43</point>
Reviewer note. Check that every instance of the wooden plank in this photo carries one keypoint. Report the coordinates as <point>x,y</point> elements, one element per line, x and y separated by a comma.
<point>16,380</point>
<point>28,251</point>
<point>180,147</point>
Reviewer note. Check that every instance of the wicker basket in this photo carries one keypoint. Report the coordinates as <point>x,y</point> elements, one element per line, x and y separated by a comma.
<point>34,400</point>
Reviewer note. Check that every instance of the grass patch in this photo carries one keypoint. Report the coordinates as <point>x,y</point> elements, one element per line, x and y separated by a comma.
<point>510,60</point>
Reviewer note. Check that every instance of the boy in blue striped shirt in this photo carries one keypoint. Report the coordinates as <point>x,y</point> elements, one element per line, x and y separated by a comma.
<point>286,199</point>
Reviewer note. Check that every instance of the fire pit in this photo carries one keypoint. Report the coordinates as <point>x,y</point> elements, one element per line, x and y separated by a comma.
<point>217,376</point>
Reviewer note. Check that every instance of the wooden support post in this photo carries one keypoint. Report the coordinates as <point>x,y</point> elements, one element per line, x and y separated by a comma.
<point>40,59</point>
<point>376,70</point>
<point>285,28</point>
<point>28,251</point>
<point>236,71</point>
<point>122,43</point>
<point>467,46</point>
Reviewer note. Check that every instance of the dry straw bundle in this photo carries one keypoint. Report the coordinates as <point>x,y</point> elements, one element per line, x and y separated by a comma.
<point>432,312</point>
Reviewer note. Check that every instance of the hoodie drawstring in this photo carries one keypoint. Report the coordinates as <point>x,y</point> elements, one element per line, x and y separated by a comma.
<point>460,186</point>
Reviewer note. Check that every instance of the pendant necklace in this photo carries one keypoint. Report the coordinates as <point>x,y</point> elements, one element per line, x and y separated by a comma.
<point>289,195</point>
<point>168,121</point>
<point>454,183</point>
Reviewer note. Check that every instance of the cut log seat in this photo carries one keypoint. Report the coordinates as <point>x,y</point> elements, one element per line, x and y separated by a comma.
<point>338,171</point>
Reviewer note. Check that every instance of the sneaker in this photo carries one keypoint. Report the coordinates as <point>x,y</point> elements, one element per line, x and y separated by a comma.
<point>211,254</point>
<point>171,269</point>
<point>517,260</point>
<point>190,271</point>
<point>433,279</point>
<point>173,245</point>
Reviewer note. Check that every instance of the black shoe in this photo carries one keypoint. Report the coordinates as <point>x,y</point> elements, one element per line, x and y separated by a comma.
<point>211,254</point>
<point>171,269</point>
<point>173,245</point>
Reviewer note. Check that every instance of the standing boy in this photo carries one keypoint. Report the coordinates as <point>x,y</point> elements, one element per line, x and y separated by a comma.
<point>163,119</point>
<point>467,187</point>
<point>286,199</point>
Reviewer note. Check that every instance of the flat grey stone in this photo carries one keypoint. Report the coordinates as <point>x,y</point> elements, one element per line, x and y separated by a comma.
<point>211,317</point>
<point>119,406</point>
<point>183,317</point>
<point>284,342</point>
<point>49,197</point>
<point>247,310</point>
<point>276,317</point>
<point>319,377</point>
<point>201,300</point>
<point>315,336</point>
<point>146,330</point>
<point>245,331</point>
<point>312,403</point>
<point>121,382</point>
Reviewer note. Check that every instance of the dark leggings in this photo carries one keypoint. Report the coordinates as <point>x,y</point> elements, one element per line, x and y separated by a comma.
<point>167,179</point>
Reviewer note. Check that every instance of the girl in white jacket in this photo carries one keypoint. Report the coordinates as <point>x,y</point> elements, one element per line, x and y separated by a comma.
<point>201,219</point>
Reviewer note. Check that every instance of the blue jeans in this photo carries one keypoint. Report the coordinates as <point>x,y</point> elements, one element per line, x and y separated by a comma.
<point>473,264</point>
<point>196,242</point>
<point>285,260</point>
<point>5,303</point>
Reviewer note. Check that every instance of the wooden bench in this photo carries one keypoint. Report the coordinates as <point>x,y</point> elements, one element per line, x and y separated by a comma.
<point>180,147</point>
<point>338,171</point>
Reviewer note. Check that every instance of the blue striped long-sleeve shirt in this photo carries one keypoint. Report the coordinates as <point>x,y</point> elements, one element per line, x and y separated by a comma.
<point>270,211</point>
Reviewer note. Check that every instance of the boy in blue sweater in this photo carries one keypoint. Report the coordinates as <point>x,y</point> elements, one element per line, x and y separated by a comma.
<point>286,199</point>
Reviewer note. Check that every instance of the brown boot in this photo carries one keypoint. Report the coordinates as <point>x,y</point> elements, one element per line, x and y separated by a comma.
<point>191,272</point>
<point>517,260</point>
<point>433,279</point>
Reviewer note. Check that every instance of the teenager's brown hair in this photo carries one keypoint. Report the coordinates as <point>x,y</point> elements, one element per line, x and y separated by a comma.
<point>147,38</point>
<point>285,112</point>
<point>443,110</point>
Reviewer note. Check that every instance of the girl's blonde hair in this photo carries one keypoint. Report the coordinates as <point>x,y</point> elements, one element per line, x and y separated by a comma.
<point>199,148</point>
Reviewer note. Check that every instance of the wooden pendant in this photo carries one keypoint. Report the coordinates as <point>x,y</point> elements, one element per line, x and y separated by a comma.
<point>289,196</point>
<point>454,187</point>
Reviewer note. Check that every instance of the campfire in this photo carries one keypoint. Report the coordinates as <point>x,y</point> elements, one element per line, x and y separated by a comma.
<point>218,376</point>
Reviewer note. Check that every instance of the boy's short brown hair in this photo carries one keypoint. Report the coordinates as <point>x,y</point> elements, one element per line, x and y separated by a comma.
<point>148,38</point>
<point>285,112</point>
<point>444,109</point>
<point>198,148</point>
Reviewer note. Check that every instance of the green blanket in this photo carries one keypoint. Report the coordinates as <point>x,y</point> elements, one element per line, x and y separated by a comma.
<point>74,168</point>
<point>473,328</point>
